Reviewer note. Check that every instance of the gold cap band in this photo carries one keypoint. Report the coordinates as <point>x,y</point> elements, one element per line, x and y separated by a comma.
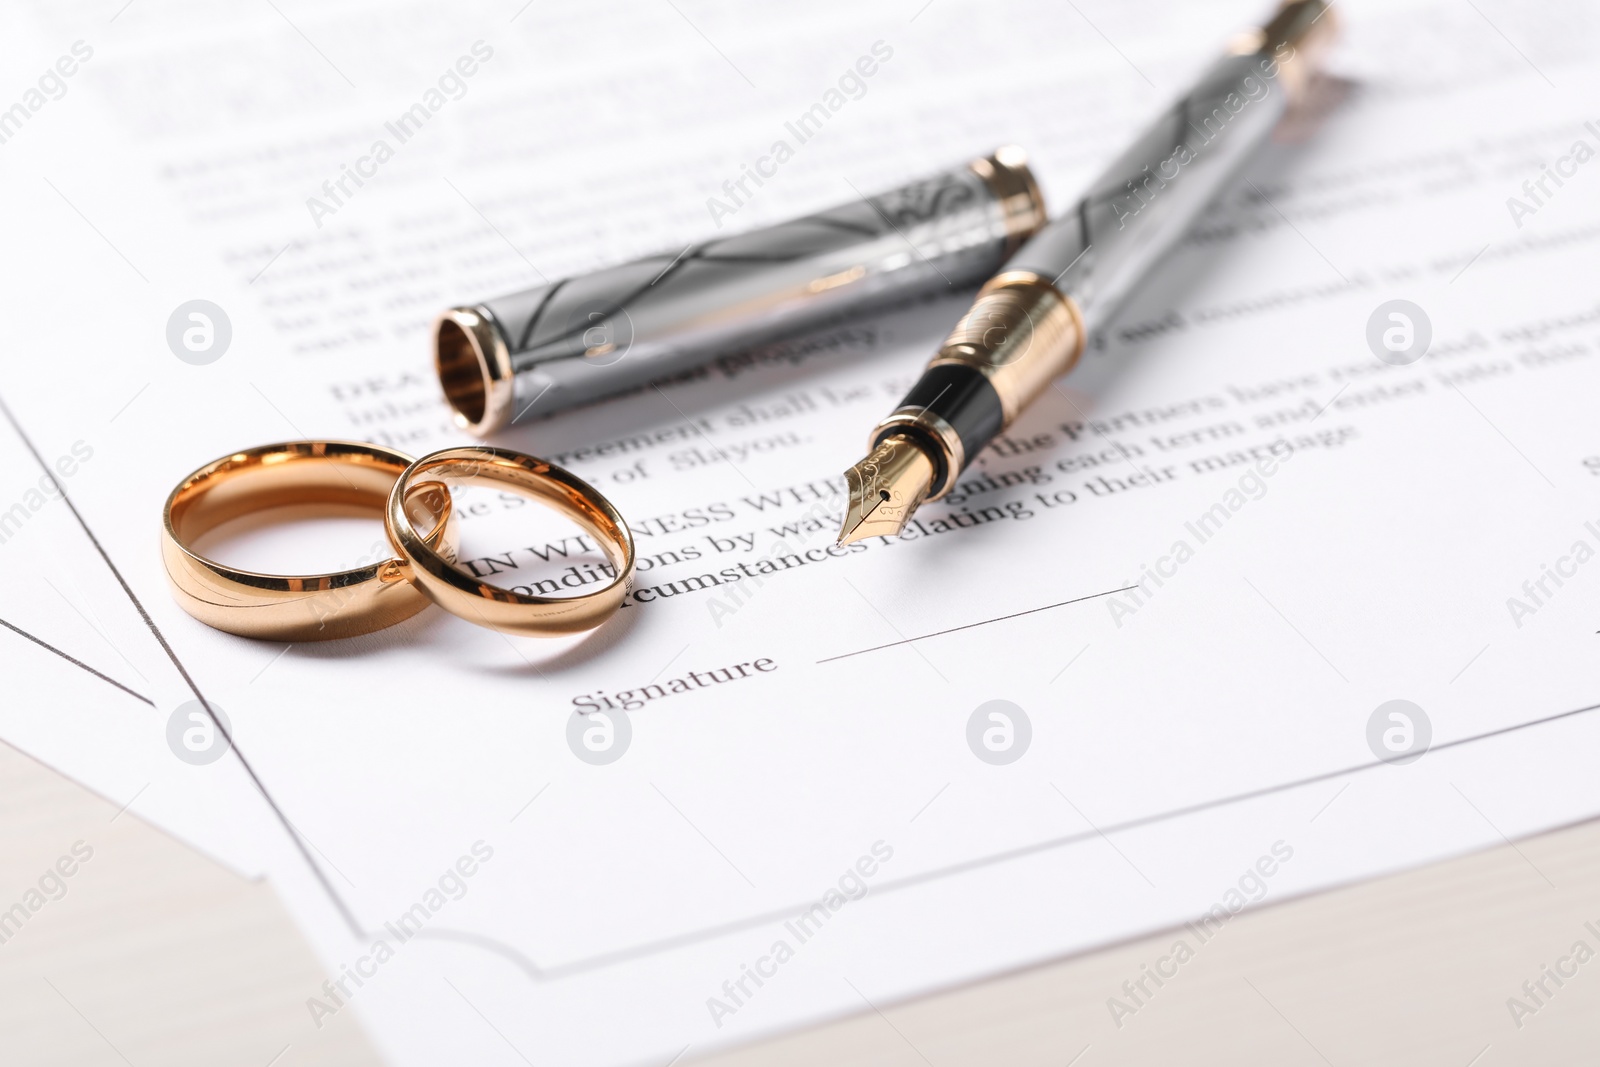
<point>474,369</point>
<point>1021,333</point>
<point>1010,179</point>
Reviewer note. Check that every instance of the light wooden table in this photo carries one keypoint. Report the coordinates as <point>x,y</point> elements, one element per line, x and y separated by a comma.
<point>153,954</point>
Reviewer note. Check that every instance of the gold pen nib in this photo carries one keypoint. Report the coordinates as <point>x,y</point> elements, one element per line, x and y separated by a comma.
<point>885,488</point>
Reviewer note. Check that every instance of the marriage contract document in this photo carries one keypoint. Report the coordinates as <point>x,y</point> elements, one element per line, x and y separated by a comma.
<point>1291,583</point>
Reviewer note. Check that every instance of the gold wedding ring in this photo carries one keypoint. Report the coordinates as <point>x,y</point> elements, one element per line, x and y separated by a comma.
<point>500,609</point>
<point>326,476</point>
<point>421,525</point>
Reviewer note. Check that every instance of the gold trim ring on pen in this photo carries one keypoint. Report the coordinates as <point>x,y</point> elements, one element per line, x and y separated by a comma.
<point>501,609</point>
<point>322,476</point>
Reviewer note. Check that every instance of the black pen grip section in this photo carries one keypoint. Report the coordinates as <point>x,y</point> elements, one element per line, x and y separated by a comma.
<point>965,399</point>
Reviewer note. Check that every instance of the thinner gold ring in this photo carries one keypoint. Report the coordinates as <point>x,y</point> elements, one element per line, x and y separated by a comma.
<point>322,476</point>
<point>501,609</point>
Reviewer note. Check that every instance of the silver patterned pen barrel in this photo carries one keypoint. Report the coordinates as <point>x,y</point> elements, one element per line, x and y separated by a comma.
<point>533,353</point>
<point>1029,323</point>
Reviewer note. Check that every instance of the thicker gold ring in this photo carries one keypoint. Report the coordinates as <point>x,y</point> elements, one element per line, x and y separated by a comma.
<point>500,609</point>
<point>314,607</point>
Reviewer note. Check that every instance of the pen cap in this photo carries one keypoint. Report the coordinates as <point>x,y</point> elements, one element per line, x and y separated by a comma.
<point>533,353</point>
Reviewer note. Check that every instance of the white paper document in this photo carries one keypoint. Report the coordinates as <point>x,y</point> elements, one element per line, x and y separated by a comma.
<point>1255,602</point>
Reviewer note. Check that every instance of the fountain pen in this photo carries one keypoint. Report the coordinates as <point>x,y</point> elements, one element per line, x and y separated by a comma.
<point>1029,323</point>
